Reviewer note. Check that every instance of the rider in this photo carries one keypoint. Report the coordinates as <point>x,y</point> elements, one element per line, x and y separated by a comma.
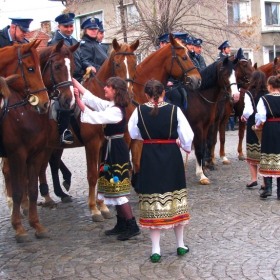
<point>15,33</point>
<point>100,37</point>
<point>197,47</point>
<point>191,52</point>
<point>65,30</point>
<point>92,53</point>
<point>224,50</point>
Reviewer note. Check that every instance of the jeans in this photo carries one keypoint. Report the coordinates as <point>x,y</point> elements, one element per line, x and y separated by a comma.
<point>231,123</point>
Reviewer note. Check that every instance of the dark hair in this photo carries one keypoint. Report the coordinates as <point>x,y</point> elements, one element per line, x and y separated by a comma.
<point>154,89</point>
<point>274,81</point>
<point>258,82</point>
<point>122,97</point>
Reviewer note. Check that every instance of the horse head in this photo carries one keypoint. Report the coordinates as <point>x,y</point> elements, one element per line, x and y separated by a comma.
<point>124,61</point>
<point>179,64</point>
<point>57,64</point>
<point>24,60</point>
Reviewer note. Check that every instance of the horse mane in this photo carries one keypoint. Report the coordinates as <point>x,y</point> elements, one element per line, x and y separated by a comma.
<point>209,76</point>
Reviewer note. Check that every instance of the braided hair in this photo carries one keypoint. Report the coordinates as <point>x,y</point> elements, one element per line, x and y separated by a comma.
<point>154,89</point>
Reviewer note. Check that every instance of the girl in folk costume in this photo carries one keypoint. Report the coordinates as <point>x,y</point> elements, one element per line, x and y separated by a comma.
<point>113,182</point>
<point>162,183</point>
<point>256,90</point>
<point>268,110</point>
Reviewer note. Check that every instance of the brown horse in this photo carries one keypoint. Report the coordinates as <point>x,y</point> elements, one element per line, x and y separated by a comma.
<point>23,130</point>
<point>122,63</point>
<point>243,71</point>
<point>57,65</point>
<point>171,60</point>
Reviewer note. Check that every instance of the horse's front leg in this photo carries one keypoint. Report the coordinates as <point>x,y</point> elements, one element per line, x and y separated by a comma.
<point>33,168</point>
<point>241,129</point>
<point>222,133</point>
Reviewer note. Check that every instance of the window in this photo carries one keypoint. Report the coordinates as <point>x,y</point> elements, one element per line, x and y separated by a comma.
<point>131,15</point>
<point>238,11</point>
<point>271,13</point>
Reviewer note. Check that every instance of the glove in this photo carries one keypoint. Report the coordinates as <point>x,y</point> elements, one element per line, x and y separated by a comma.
<point>79,102</point>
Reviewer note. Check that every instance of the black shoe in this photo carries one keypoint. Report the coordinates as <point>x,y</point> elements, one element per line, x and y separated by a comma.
<point>119,228</point>
<point>131,230</point>
<point>67,137</point>
<point>255,183</point>
<point>267,192</point>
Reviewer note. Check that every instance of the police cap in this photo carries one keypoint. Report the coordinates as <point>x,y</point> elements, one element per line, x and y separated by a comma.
<point>224,45</point>
<point>189,40</point>
<point>65,19</point>
<point>23,23</point>
<point>197,42</point>
<point>90,23</point>
<point>100,27</point>
<point>180,35</point>
<point>164,38</point>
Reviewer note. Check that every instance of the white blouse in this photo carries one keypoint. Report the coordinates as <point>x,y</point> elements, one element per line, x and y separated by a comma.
<point>105,111</point>
<point>248,107</point>
<point>184,130</point>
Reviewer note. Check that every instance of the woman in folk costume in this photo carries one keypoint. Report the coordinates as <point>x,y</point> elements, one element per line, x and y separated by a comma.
<point>268,109</point>
<point>113,182</point>
<point>162,183</point>
<point>256,90</point>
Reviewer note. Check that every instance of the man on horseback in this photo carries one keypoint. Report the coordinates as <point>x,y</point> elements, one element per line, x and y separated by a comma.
<point>193,56</point>
<point>100,37</point>
<point>197,47</point>
<point>15,33</point>
<point>65,31</point>
<point>224,50</point>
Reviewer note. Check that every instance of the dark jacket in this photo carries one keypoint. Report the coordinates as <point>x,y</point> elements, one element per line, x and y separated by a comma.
<point>78,73</point>
<point>194,60</point>
<point>201,61</point>
<point>92,53</point>
<point>5,40</point>
<point>221,56</point>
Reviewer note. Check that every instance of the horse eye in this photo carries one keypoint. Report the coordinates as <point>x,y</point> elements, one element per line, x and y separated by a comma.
<point>117,65</point>
<point>56,67</point>
<point>30,69</point>
<point>184,58</point>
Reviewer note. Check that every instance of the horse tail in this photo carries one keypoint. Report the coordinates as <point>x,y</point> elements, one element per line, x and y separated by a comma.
<point>5,91</point>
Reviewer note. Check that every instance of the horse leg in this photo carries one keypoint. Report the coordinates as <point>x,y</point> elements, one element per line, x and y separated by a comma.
<point>33,168</point>
<point>222,133</point>
<point>54,162</point>
<point>44,187</point>
<point>241,129</point>
<point>209,164</point>
<point>66,173</point>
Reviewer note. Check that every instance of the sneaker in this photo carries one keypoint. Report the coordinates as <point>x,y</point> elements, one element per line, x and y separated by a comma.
<point>67,137</point>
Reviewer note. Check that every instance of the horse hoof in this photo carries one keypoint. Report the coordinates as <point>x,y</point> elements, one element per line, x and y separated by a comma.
<point>42,234</point>
<point>241,158</point>
<point>205,182</point>
<point>107,214</point>
<point>49,204</point>
<point>97,218</point>
<point>226,162</point>
<point>66,186</point>
<point>66,199</point>
<point>23,238</point>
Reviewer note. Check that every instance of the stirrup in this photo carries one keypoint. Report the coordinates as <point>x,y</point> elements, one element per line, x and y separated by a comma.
<point>65,141</point>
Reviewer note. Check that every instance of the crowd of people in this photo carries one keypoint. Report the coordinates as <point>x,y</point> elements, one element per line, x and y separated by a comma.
<point>163,128</point>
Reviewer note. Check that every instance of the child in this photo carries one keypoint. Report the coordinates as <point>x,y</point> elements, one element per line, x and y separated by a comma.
<point>113,182</point>
<point>162,183</point>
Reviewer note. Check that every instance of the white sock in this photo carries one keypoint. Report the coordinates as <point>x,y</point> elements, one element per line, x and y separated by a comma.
<point>155,237</point>
<point>179,233</point>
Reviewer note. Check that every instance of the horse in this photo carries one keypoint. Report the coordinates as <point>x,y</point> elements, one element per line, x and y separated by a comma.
<point>57,64</point>
<point>243,71</point>
<point>122,63</point>
<point>23,130</point>
<point>171,60</point>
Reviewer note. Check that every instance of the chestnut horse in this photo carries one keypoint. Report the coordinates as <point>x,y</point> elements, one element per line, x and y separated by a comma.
<point>243,71</point>
<point>57,65</point>
<point>122,63</point>
<point>23,130</point>
<point>171,60</point>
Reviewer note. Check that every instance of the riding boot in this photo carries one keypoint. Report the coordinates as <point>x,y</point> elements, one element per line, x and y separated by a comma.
<point>268,187</point>
<point>120,227</point>
<point>278,188</point>
<point>131,230</point>
<point>63,121</point>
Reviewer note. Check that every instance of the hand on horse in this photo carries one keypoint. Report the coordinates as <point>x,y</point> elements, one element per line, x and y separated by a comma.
<point>93,69</point>
<point>77,85</point>
<point>79,102</point>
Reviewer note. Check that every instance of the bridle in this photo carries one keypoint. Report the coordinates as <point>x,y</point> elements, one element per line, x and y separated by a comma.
<point>55,86</point>
<point>245,79</point>
<point>275,71</point>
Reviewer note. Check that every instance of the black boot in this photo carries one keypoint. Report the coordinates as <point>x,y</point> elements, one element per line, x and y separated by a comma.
<point>131,230</point>
<point>63,121</point>
<point>268,187</point>
<point>278,188</point>
<point>120,227</point>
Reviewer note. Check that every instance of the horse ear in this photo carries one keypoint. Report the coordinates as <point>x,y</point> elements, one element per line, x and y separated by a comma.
<point>74,47</point>
<point>116,45</point>
<point>275,60</point>
<point>171,39</point>
<point>135,45</point>
<point>28,46</point>
<point>58,46</point>
<point>255,66</point>
<point>12,78</point>
<point>37,43</point>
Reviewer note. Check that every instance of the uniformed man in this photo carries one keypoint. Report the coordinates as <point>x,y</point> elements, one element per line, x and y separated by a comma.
<point>163,40</point>
<point>92,54</point>
<point>191,52</point>
<point>224,50</point>
<point>100,36</point>
<point>15,32</point>
<point>197,43</point>
<point>65,31</point>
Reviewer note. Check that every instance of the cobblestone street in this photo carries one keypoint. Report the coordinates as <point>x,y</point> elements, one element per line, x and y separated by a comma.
<point>232,234</point>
